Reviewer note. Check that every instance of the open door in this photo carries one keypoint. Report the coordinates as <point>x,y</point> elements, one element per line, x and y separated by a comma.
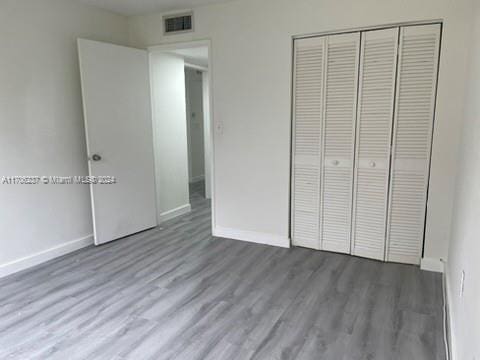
<point>118,125</point>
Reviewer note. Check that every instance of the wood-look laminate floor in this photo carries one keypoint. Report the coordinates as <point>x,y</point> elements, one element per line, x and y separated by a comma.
<point>175,292</point>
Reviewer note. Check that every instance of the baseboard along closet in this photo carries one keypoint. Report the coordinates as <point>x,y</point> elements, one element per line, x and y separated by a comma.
<point>363,112</point>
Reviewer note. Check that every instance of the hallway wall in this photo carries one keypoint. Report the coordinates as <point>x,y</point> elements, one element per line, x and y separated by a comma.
<point>196,159</point>
<point>170,134</point>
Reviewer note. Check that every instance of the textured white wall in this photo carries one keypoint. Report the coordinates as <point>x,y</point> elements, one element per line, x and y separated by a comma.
<point>41,121</point>
<point>465,239</point>
<point>170,131</point>
<point>252,52</point>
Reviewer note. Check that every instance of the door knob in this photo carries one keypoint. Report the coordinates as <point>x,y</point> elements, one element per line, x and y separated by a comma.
<point>335,162</point>
<point>96,157</point>
<point>372,164</point>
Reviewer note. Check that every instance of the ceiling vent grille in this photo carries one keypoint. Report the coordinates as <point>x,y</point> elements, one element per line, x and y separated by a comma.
<point>178,23</point>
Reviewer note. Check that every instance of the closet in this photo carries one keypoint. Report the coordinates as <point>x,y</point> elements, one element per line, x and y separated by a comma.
<point>363,110</point>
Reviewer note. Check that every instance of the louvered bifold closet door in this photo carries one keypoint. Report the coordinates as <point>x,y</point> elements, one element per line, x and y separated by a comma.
<point>339,139</point>
<point>378,63</point>
<point>413,123</point>
<point>307,140</point>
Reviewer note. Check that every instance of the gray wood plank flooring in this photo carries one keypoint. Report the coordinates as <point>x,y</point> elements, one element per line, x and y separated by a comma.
<point>175,292</point>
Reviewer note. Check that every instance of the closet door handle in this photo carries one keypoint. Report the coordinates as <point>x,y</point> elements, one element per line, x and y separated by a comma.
<point>335,162</point>
<point>372,164</point>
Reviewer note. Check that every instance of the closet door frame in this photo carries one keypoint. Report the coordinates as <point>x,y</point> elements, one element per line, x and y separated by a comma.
<point>360,30</point>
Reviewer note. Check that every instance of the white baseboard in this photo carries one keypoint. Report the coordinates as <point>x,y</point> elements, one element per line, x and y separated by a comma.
<point>432,264</point>
<point>252,236</point>
<point>197,179</point>
<point>43,256</point>
<point>170,214</point>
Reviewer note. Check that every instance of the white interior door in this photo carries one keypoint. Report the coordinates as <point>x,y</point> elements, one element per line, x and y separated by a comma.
<point>412,140</point>
<point>118,123</point>
<point>378,63</point>
<point>339,140</point>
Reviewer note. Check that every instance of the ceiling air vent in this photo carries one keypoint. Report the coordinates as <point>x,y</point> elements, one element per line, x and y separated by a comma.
<point>178,23</point>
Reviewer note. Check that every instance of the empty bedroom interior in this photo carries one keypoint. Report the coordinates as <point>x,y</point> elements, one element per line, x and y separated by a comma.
<point>240,179</point>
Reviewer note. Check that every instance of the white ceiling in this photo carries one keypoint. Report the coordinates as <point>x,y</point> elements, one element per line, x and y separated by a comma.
<point>139,7</point>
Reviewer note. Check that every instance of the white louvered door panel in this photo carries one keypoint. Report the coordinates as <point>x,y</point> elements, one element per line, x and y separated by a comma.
<point>413,124</point>
<point>378,63</point>
<point>339,139</point>
<point>307,140</point>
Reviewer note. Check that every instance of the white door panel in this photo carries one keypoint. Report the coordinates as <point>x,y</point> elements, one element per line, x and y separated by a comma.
<point>339,140</point>
<point>117,111</point>
<point>378,62</point>
<point>413,126</point>
<point>308,114</point>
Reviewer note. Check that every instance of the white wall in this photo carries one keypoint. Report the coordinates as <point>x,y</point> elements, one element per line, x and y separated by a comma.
<point>41,125</point>
<point>194,89</point>
<point>252,52</point>
<point>207,134</point>
<point>465,239</point>
<point>170,134</point>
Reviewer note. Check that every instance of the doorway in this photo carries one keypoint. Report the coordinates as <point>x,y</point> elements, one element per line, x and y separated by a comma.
<point>181,102</point>
<point>135,111</point>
